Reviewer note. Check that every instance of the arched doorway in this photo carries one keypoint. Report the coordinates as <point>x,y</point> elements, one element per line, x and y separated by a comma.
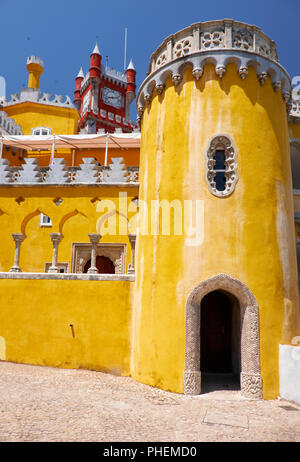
<point>104,265</point>
<point>239,312</point>
<point>219,341</point>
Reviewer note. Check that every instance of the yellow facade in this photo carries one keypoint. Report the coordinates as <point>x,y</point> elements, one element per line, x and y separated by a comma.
<point>100,311</point>
<point>61,120</point>
<point>55,324</point>
<point>241,238</point>
<point>138,324</point>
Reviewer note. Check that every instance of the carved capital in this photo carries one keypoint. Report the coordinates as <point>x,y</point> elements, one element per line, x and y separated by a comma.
<point>159,88</point>
<point>262,77</point>
<point>277,85</point>
<point>197,72</point>
<point>220,71</point>
<point>176,79</point>
<point>243,72</point>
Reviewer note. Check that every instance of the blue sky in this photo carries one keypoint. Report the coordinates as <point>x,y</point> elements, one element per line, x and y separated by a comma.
<point>63,33</point>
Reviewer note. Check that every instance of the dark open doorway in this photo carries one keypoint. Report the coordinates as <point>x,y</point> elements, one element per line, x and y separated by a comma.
<point>219,342</point>
<point>103,264</point>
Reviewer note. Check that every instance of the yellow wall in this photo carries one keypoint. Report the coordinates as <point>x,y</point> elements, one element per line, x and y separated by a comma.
<point>63,121</point>
<point>36,314</point>
<point>35,320</point>
<point>248,235</point>
<point>78,215</point>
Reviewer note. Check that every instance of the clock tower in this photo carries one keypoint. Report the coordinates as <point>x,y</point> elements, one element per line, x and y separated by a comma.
<point>103,97</point>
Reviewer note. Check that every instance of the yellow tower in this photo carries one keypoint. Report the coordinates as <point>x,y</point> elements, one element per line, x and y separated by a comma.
<point>35,67</point>
<point>216,277</point>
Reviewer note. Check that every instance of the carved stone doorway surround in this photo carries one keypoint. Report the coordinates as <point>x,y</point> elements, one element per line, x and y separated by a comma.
<point>81,253</point>
<point>251,382</point>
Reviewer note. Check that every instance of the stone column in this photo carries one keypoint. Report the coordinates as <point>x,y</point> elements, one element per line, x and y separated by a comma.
<point>131,267</point>
<point>94,238</point>
<point>55,238</point>
<point>18,238</point>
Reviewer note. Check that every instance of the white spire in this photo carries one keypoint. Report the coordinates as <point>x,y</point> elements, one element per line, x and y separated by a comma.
<point>80,73</point>
<point>96,50</point>
<point>130,66</point>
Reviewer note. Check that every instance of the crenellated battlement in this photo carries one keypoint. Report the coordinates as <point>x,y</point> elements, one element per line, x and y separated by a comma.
<point>35,60</point>
<point>8,125</point>
<point>88,173</point>
<point>36,96</point>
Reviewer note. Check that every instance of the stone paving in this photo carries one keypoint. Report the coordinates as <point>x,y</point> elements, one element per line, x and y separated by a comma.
<point>49,404</point>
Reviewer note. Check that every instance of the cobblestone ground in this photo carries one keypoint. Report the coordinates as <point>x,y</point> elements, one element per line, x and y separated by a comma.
<point>48,404</point>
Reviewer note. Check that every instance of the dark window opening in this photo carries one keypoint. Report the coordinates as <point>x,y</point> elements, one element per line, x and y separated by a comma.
<point>219,168</point>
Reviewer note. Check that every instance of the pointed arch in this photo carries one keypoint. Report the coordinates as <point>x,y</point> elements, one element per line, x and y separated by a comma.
<point>67,217</point>
<point>28,218</point>
<point>251,382</point>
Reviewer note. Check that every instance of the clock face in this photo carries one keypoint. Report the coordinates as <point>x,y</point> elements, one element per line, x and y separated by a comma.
<point>112,97</point>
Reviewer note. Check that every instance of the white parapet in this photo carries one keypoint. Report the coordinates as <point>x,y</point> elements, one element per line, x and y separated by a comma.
<point>289,372</point>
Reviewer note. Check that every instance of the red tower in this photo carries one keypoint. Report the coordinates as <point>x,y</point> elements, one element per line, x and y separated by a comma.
<point>103,97</point>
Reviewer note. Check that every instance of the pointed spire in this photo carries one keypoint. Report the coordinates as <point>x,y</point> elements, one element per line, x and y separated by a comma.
<point>96,50</point>
<point>81,73</point>
<point>130,66</point>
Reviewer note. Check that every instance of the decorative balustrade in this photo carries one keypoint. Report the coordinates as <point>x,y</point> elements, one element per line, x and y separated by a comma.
<point>219,43</point>
<point>89,172</point>
<point>223,34</point>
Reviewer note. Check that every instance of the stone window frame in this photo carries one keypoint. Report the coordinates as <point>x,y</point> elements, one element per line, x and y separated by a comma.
<point>81,254</point>
<point>224,143</point>
<point>250,375</point>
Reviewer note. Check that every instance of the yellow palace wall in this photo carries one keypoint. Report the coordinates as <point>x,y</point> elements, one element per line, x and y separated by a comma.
<point>242,237</point>
<point>36,314</point>
<point>62,120</point>
<point>35,320</point>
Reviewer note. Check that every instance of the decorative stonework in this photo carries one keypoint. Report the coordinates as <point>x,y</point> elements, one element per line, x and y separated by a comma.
<point>30,172</point>
<point>88,173</point>
<point>223,143</point>
<point>5,172</point>
<point>219,43</point>
<point>8,125</point>
<point>212,39</point>
<point>182,47</point>
<point>251,385</point>
<point>116,172</point>
<point>57,172</point>
<point>192,383</point>
<point>251,382</point>
<point>81,254</point>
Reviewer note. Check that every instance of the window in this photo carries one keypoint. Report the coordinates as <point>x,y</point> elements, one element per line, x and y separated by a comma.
<point>45,221</point>
<point>41,131</point>
<point>221,166</point>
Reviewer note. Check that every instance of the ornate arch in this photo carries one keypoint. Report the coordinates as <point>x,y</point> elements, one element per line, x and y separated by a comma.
<point>251,382</point>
